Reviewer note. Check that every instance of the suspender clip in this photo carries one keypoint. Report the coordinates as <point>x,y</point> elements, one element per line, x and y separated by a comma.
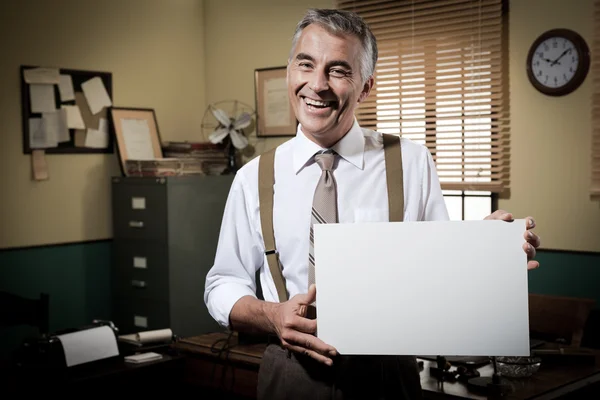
<point>269,252</point>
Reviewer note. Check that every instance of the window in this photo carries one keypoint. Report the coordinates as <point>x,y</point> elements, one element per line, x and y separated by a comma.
<point>439,81</point>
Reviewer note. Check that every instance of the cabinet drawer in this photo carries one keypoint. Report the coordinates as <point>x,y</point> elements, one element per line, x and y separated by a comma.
<point>141,269</point>
<point>136,315</point>
<point>139,210</point>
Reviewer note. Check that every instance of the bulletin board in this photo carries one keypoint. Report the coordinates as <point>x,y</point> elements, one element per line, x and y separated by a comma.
<point>93,136</point>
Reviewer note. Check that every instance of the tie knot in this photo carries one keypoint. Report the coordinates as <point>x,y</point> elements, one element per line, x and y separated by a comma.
<point>325,160</point>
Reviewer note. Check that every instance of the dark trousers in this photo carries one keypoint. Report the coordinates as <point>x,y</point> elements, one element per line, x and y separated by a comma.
<point>287,375</point>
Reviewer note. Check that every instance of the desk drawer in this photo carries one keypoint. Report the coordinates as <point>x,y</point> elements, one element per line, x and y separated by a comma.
<point>141,269</point>
<point>139,210</point>
<point>135,315</point>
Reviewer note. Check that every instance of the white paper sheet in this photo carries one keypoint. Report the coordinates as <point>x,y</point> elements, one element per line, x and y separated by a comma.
<point>41,75</point>
<point>42,98</point>
<point>138,142</point>
<point>55,126</point>
<point>456,288</point>
<point>98,138</point>
<point>74,118</point>
<point>89,345</point>
<point>65,88</point>
<point>38,137</point>
<point>96,95</point>
<point>277,104</point>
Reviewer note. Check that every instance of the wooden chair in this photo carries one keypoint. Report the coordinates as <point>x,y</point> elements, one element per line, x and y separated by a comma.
<point>558,318</point>
<point>17,310</point>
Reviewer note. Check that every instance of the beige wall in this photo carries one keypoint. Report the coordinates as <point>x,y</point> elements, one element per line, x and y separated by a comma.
<point>243,35</point>
<point>177,56</point>
<point>155,52</point>
<point>551,137</point>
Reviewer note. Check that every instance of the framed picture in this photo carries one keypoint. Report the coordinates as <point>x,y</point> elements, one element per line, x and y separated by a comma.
<point>274,114</point>
<point>136,133</point>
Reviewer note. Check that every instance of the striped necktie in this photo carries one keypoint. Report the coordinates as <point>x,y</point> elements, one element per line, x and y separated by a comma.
<point>324,209</point>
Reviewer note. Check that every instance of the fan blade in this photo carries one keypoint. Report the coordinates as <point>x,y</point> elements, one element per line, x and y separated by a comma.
<point>238,139</point>
<point>221,116</point>
<point>218,135</point>
<point>243,121</point>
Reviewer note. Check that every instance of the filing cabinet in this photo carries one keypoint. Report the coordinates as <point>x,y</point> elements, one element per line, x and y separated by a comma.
<point>165,234</point>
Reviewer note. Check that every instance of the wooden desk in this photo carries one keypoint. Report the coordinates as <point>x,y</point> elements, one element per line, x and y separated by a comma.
<point>235,371</point>
<point>103,377</point>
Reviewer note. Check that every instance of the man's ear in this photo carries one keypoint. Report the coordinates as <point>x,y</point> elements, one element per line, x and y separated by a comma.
<point>368,85</point>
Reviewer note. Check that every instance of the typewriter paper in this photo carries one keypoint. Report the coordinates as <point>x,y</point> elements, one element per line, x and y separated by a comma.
<point>89,345</point>
<point>453,288</point>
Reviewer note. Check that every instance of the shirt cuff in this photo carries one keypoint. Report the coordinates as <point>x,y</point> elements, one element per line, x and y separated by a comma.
<point>222,298</point>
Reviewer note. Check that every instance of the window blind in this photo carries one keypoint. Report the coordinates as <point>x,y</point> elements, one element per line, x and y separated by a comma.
<point>440,80</point>
<point>595,72</point>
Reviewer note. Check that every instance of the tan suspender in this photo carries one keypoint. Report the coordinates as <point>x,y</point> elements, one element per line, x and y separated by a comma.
<point>395,178</point>
<point>266,180</point>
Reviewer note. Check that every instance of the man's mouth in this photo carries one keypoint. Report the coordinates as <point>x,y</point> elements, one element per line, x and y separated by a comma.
<point>317,103</point>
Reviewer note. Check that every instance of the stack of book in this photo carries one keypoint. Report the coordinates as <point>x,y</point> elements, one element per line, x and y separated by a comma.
<point>213,157</point>
<point>164,167</point>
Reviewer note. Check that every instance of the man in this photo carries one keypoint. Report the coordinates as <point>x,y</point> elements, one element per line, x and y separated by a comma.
<point>329,73</point>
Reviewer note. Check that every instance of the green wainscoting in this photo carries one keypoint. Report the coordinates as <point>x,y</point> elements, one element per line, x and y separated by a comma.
<point>76,276</point>
<point>562,273</point>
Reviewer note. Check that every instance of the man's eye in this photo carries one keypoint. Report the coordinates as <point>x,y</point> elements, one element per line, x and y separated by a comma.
<point>338,72</point>
<point>305,65</point>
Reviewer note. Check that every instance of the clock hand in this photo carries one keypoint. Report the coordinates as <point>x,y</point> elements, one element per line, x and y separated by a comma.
<point>561,56</point>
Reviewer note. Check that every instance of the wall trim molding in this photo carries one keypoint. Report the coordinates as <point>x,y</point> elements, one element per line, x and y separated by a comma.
<point>41,246</point>
<point>579,252</point>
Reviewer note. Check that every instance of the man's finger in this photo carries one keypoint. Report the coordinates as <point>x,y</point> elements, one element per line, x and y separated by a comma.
<point>532,264</point>
<point>305,325</point>
<point>533,239</point>
<point>313,354</point>
<point>530,250</point>
<point>308,341</point>
<point>307,298</point>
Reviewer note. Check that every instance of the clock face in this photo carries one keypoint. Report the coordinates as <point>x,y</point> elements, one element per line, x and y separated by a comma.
<point>555,62</point>
<point>558,62</point>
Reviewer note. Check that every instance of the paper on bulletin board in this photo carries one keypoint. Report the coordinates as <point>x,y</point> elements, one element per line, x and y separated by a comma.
<point>74,118</point>
<point>42,98</point>
<point>55,126</point>
<point>65,88</point>
<point>98,138</point>
<point>96,95</point>
<point>454,288</point>
<point>46,76</point>
<point>90,120</point>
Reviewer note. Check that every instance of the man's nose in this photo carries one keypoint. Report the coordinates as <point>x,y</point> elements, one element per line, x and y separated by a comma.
<point>318,82</point>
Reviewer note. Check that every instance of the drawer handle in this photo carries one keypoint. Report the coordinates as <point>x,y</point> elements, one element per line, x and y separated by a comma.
<point>140,284</point>
<point>136,224</point>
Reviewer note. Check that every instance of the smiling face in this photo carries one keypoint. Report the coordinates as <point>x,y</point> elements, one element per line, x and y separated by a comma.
<point>324,83</point>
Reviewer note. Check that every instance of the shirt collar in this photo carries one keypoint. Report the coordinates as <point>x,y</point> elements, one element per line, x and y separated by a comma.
<point>351,148</point>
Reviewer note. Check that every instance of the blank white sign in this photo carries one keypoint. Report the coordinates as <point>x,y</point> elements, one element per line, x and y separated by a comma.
<point>453,288</point>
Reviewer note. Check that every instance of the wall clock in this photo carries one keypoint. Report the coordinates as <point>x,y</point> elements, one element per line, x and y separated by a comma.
<point>558,62</point>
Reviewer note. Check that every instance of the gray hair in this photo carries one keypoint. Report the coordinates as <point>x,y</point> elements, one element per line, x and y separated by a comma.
<point>339,22</point>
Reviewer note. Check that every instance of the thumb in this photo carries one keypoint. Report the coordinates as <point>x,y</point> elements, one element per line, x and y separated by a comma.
<point>311,296</point>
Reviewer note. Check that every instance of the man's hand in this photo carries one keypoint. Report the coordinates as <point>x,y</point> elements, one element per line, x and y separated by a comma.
<point>533,240</point>
<point>296,332</point>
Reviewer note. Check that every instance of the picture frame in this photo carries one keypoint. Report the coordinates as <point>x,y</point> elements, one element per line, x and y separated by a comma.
<point>274,114</point>
<point>136,134</point>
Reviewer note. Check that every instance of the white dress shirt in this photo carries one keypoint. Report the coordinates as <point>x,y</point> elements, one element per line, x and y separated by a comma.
<point>362,197</point>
